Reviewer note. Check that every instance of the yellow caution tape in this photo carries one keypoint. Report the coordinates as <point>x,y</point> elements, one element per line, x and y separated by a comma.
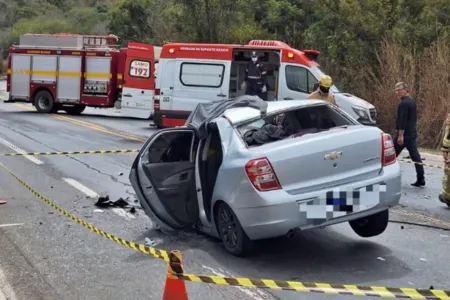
<point>324,288</point>
<point>157,253</point>
<point>71,152</point>
<point>305,287</point>
<point>422,164</point>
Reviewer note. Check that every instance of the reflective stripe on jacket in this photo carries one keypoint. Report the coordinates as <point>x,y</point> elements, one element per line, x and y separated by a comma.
<point>446,140</point>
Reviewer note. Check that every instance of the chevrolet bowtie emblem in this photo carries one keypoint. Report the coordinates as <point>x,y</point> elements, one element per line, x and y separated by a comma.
<point>333,155</point>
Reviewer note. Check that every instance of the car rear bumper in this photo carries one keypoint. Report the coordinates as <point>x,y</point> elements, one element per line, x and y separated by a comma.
<point>308,212</point>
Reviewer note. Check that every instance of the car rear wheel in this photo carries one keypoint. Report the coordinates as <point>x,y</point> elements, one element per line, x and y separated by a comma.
<point>371,225</point>
<point>234,239</point>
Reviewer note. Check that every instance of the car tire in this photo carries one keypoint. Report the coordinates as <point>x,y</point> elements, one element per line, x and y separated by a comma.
<point>44,102</point>
<point>233,237</point>
<point>371,226</point>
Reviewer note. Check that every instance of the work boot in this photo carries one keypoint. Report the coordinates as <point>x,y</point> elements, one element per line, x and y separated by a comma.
<point>443,200</point>
<point>419,183</point>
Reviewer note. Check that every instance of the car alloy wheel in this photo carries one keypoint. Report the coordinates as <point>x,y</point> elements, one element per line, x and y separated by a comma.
<point>234,238</point>
<point>227,225</point>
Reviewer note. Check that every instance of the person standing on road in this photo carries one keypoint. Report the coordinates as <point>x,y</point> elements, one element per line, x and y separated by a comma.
<point>406,136</point>
<point>444,196</point>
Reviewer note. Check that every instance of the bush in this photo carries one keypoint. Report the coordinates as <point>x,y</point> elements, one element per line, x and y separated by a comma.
<point>426,74</point>
<point>3,67</point>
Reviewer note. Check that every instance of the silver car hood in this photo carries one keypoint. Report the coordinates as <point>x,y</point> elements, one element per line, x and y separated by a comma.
<point>352,99</point>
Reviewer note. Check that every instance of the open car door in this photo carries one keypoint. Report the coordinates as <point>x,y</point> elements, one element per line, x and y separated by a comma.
<point>163,178</point>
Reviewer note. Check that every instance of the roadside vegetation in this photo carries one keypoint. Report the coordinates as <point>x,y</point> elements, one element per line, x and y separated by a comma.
<point>365,45</point>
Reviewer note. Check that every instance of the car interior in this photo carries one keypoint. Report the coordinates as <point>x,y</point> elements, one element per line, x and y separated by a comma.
<point>171,171</point>
<point>171,168</point>
<point>271,61</point>
<point>291,124</point>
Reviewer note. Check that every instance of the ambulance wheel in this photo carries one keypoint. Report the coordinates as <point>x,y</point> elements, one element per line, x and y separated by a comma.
<point>43,101</point>
<point>74,110</point>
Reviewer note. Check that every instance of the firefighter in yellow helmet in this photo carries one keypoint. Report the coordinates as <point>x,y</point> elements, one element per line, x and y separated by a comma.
<point>444,196</point>
<point>323,92</point>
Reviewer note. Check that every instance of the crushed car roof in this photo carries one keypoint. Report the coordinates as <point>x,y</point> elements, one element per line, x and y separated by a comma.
<point>241,114</point>
<point>237,110</point>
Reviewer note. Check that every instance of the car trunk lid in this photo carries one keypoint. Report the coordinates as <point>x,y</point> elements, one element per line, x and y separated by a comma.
<point>330,158</point>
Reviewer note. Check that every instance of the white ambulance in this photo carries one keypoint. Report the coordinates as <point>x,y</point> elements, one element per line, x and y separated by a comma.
<point>193,73</point>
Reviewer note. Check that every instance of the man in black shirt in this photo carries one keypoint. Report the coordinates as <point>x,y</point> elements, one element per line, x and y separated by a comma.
<point>406,130</point>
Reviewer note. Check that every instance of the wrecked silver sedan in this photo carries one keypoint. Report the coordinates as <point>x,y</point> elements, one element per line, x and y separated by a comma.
<point>244,170</point>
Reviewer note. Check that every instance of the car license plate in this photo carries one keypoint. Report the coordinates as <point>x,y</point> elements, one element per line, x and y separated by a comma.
<point>338,203</point>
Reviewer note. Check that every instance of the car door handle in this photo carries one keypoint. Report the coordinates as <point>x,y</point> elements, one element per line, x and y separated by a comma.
<point>288,98</point>
<point>183,176</point>
<point>221,95</point>
<point>127,95</point>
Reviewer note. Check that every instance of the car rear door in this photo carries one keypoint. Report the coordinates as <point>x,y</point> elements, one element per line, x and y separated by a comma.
<point>163,178</point>
<point>139,85</point>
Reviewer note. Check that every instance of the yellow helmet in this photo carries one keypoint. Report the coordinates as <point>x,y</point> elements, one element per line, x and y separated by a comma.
<point>325,81</point>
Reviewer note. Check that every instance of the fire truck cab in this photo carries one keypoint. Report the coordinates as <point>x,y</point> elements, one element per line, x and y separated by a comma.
<point>70,72</point>
<point>193,73</point>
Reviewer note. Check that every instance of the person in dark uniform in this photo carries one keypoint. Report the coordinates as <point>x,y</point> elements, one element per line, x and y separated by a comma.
<point>406,136</point>
<point>255,78</point>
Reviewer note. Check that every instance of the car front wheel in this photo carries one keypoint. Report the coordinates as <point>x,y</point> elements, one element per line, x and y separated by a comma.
<point>234,238</point>
<point>371,225</point>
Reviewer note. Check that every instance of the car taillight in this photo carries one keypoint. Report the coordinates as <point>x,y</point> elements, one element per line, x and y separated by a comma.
<point>156,100</point>
<point>262,175</point>
<point>388,155</point>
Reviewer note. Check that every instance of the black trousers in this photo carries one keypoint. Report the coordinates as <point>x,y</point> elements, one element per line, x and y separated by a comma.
<point>255,89</point>
<point>410,143</point>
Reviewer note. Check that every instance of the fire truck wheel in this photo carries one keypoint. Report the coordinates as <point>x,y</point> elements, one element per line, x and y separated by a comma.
<point>44,102</point>
<point>74,110</point>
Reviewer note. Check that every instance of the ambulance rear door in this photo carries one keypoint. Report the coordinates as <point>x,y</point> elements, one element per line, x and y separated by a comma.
<point>139,81</point>
<point>166,82</point>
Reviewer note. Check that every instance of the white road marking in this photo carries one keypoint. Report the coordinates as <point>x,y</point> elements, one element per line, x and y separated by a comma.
<point>91,194</point>
<point>18,150</point>
<point>10,225</point>
<point>82,188</point>
<point>254,293</point>
<point>6,291</point>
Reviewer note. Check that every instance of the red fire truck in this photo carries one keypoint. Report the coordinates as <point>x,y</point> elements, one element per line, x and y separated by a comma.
<point>70,72</point>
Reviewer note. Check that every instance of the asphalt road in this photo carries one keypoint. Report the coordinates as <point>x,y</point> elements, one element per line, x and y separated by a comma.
<point>47,256</point>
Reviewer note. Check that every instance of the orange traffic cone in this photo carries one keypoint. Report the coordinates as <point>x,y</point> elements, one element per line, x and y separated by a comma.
<point>175,289</point>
